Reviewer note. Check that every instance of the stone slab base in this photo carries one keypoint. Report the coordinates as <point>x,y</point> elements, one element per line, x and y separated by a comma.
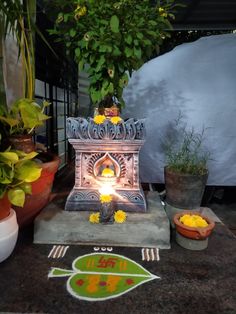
<point>151,229</point>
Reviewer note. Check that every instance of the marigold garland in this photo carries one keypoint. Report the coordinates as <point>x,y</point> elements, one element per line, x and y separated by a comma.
<point>105,198</point>
<point>194,221</point>
<point>94,218</point>
<point>99,119</point>
<point>120,216</point>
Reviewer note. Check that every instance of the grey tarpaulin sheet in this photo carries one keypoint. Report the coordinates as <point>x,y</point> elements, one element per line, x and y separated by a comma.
<point>198,79</point>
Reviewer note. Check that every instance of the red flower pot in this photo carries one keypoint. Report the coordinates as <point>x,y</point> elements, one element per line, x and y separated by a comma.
<point>41,191</point>
<point>192,232</point>
<point>5,207</point>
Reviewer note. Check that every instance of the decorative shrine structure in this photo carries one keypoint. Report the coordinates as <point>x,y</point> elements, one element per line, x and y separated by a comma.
<point>100,146</point>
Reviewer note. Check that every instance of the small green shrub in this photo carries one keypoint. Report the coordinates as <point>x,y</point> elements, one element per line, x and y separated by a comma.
<point>185,152</point>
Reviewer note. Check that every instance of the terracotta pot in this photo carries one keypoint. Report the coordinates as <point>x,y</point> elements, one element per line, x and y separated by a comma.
<point>22,142</point>
<point>5,207</point>
<point>191,232</point>
<point>41,191</point>
<point>184,190</point>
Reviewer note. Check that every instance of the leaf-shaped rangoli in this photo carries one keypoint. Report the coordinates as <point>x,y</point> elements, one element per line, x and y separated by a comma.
<point>102,276</point>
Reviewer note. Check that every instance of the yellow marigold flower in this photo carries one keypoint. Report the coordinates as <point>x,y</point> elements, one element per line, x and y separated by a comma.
<point>194,221</point>
<point>94,218</point>
<point>120,216</point>
<point>107,172</point>
<point>105,198</point>
<point>99,119</point>
<point>116,120</point>
<point>162,12</point>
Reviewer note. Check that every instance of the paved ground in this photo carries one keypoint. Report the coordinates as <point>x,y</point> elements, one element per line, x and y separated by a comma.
<point>191,281</point>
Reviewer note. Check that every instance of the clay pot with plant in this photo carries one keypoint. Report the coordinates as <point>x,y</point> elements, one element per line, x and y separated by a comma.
<point>20,120</point>
<point>18,171</point>
<point>186,171</point>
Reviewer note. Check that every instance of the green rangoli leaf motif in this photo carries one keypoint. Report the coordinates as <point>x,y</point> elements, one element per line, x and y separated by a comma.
<point>102,276</point>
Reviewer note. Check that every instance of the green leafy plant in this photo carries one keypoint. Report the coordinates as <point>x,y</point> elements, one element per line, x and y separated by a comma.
<point>18,18</point>
<point>17,172</point>
<point>185,152</point>
<point>24,116</point>
<point>113,37</point>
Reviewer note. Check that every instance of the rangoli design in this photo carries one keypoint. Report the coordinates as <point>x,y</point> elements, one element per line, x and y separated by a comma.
<point>102,276</point>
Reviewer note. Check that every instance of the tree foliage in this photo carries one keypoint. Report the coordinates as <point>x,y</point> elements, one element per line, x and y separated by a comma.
<point>112,39</point>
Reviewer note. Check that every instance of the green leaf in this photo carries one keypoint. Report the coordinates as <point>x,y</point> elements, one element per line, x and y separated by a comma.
<point>128,52</point>
<point>10,121</point>
<point>137,52</point>
<point>139,35</point>
<point>116,51</point>
<point>95,95</point>
<point>28,171</point>
<point>9,157</point>
<point>26,156</point>
<point>100,63</point>
<point>26,187</point>
<point>114,24</point>
<point>72,32</point>
<point>77,52</point>
<point>31,115</point>
<point>3,189</point>
<point>16,197</point>
<point>128,39</point>
<point>81,65</point>
<point>6,174</point>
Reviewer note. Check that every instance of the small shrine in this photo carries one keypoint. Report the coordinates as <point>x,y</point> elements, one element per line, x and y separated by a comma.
<point>106,184</point>
<point>107,161</point>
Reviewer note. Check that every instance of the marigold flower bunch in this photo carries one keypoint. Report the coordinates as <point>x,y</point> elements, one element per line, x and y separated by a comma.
<point>194,221</point>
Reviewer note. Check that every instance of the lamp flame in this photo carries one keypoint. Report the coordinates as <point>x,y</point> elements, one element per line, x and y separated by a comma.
<point>106,189</point>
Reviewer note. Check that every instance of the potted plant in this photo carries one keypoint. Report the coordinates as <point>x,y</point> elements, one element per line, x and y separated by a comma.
<point>186,170</point>
<point>110,40</point>
<point>21,119</point>
<point>17,172</point>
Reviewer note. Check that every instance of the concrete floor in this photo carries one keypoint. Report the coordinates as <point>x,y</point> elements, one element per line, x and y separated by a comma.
<point>196,282</point>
